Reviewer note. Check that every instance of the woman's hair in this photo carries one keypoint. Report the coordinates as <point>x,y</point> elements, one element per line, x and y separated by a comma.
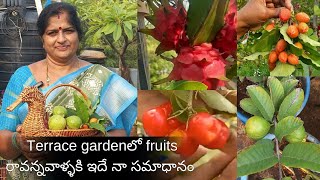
<point>55,9</point>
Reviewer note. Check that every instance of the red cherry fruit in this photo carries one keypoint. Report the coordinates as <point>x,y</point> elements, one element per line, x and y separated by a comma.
<point>223,137</point>
<point>167,108</point>
<point>207,130</point>
<point>155,122</point>
<point>185,145</point>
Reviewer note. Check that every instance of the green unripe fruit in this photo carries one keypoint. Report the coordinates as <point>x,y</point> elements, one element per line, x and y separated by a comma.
<point>257,127</point>
<point>57,122</point>
<point>74,122</point>
<point>60,110</point>
<point>298,135</point>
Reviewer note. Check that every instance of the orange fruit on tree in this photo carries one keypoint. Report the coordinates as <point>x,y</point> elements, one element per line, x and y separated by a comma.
<point>281,45</point>
<point>303,27</point>
<point>271,66</point>
<point>284,15</point>
<point>292,31</point>
<point>293,59</point>
<point>295,24</point>
<point>273,57</point>
<point>299,45</point>
<point>302,17</point>
<point>270,26</point>
<point>283,57</point>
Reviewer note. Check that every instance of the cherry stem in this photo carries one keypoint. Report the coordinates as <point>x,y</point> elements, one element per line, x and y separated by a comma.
<point>278,151</point>
<point>189,106</point>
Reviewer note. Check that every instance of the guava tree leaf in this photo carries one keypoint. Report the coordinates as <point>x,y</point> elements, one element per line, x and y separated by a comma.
<point>247,105</point>
<point>282,69</point>
<point>205,19</point>
<point>306,39</point>
<point>288,85</point>
<point>255,56</point>
<point>265,42</point>
<point>262,101</point>
<point>82,108</point>
<point>302,155</point>
<point>186,85</point>
<point>216,101</point>
<point>98,126</point>
<point>276,91</point>
<point>291,104</point>
<point>256,158</point>
<point>287,126</point>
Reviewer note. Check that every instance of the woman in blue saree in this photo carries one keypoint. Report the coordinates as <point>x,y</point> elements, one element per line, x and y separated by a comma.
<point>60,31</point>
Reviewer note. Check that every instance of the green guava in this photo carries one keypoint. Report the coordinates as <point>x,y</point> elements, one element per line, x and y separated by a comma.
<point>298,135</point>
<point>74,122</point>
<point>57,122</point>
<point>60,110</point>
<point>257,127</point>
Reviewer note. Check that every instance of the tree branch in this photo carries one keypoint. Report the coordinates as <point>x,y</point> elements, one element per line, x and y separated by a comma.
<point>111,44</point>
<point>278,151</point>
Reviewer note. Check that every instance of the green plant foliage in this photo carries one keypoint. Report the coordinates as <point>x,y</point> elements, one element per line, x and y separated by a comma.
<point>287,126</point>
<point>303,155</point>
<point>247,105</point>
<point>214,100</point>
<point>262,101</point>
<point>256,158</point>
<point>276,91</point>
<point>291,104</point>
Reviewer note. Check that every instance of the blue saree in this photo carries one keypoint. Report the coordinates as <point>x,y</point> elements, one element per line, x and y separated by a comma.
<point>116,98</point>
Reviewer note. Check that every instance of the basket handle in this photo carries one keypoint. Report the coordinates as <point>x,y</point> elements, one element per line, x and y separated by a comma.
<point>70,85</point>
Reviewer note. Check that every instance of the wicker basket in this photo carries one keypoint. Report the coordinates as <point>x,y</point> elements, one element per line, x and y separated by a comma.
<point>34,124</point>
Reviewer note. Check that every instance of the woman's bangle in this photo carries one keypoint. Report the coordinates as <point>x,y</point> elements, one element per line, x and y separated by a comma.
<point>14,141</point>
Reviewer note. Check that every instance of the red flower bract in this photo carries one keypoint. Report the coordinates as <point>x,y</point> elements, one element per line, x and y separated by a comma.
<point>199,63</point>
<point>169,28</point>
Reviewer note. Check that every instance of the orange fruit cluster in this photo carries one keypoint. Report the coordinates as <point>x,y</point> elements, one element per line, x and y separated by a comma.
<point>293,31</point>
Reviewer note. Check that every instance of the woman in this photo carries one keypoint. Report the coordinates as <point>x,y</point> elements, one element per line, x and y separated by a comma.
<point>60,31</point>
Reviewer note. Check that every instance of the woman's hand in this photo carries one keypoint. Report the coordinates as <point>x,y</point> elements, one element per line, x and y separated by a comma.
<point>257,12</point>
<point>30,154</point>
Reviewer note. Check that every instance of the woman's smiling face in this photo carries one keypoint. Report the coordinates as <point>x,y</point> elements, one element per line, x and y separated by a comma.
<point>60,39</point>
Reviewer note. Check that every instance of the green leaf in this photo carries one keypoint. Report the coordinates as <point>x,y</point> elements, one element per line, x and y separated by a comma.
<point>262,101</point>
<point>302,155</point>
<point>265,42</point>
<point>291,104</point>
<point>282,69</point>
<point>276,91</point>
<point>268,179</point>
<point>312,54</point>
<point>295,50</point>
<point>205,19</point>
<point>98,126</point>
<point>182,95</point>
<point>287,178</point>
<point>186,85</point>
<point>216,101</point>
<point>117,33</point>
<point>287,126</point>
<point>178,106</point>
<point>255,56</point>
<point>128,32</point>
<point>109,28</point>
<point>306,39</point>
<point>82,108</point>
<point>71,112</point>
<point>316,10</point>
<point>283,31</point>
<point>256,158</point>
<point>247,105</point>
<point>288,85</point>
<point>127,24</point>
